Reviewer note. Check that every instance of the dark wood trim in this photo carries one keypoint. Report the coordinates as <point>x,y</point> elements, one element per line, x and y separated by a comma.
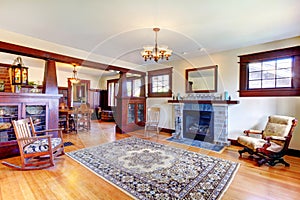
<point>70,90</point>
<point>45,55</point>
<point>205,101</point>
<point>62,88</point>
<point>167,130</point>
<point>293,152</point>
<point>293,52</point>
<point>165,71</point>
<point>50,78</point>
<point>270,92</point>
<point>4,65</point>
<point>188,88</point>
<point>272,54</point>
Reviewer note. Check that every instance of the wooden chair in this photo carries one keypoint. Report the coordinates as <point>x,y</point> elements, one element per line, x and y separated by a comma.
<point>273,143</point>
<point>152,121</point>
<point>37,148</point>
<point>83,117</point>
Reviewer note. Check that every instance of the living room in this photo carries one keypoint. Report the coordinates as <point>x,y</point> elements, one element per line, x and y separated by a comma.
<point>249,113</point>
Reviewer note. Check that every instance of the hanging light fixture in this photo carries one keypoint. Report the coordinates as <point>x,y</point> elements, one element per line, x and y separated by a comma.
<point>19,72</point>
<point>74,78</point>
<point>156,52</point>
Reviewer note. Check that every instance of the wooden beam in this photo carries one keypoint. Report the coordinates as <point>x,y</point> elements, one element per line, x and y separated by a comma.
<point>50,78</point>
<point>45,55</point>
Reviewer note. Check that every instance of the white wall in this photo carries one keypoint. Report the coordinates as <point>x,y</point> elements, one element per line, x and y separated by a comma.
<point>251,112</point>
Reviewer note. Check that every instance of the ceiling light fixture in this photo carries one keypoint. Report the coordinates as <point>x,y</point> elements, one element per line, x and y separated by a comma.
<point>19,72</point>
<point>156,52</point>
<point>74,79</point>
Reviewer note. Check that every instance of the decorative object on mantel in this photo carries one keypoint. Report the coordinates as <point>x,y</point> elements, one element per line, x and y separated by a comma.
<point>156,52</point>
<point>19,72</point>
<point>199,96</point>
<point>149,170</point>
<point>74,78</point>
<point>35,85</point>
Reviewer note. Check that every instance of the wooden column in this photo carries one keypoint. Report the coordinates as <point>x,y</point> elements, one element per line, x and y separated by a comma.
<point>122,85</point>
<point>50,80</point>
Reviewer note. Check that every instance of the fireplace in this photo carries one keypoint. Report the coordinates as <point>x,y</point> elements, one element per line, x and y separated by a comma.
<point>198,122</point>
<point>202,119</point>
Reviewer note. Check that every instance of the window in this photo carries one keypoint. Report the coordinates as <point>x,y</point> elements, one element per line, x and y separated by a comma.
<point>113,87</point>
<point>134,87</point>
<point>271,73</point>
<point>160,83</point>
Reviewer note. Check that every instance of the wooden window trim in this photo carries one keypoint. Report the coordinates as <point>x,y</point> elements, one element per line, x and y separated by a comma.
<point>293,52</point>
<point>166,71</point>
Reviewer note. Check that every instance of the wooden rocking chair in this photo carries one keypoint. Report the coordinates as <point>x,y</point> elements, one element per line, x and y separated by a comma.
<point>274,141</point>
<point>37,148</point>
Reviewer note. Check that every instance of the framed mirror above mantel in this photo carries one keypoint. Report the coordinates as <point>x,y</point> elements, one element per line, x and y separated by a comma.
<point>202,79</point>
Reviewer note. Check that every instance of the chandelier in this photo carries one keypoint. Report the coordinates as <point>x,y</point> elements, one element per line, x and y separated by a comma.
<point>74,79</point>
<point>156,52</point>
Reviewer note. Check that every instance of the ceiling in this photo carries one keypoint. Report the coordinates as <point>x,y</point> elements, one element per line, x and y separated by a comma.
<point>119,29</point>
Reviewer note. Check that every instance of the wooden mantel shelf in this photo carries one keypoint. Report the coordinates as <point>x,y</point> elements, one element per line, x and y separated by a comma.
<point>205,101</point>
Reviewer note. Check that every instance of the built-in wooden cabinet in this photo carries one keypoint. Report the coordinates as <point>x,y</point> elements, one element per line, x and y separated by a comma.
<point>131,114</point>
<point>42,108</point>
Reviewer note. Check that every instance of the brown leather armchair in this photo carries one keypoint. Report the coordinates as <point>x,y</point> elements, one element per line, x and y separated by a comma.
<point>273,142</point>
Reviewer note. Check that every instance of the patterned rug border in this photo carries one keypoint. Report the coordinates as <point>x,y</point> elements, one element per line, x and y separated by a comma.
<point>91,170</point>
<point>219,196</point>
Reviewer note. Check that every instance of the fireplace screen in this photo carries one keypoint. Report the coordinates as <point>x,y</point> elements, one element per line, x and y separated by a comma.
<point>198,125</point>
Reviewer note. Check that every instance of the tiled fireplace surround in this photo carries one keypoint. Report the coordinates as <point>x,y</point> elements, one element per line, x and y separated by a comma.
<point>220,122</point>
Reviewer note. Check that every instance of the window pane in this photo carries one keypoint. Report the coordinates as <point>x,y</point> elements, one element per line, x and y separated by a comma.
<point>284,82</point>
<point>255,75</point>
<point>137,83</point>
<point>166,89</point>
<point>284,73</point>
<point>268,74</point>
<point>284,63</point>
<point>254,84</point>
<point>154,79</point>
<point>268,65</point>
<point>254,67</point>
<point>268,83</point>
<point>160,83</point>
<point>129,88</point>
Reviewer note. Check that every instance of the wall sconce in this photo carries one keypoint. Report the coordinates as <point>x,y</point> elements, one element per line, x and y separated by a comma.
<point>19,72</point>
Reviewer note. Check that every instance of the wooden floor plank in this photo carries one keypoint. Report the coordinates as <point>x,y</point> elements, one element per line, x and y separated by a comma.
<point>69,180</point>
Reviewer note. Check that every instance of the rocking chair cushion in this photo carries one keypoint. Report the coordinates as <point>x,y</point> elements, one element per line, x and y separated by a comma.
<point>278,126</point>
<point>41,145</point>
<point>254,143</point>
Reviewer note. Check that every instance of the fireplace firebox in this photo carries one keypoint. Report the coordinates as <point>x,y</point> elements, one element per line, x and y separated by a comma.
<point>198,122</point>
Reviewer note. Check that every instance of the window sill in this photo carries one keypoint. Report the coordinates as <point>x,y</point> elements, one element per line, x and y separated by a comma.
<point>270,92</point>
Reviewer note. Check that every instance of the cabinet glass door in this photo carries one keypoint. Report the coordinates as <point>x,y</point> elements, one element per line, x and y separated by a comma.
<point>7,114</point>
<point>38,115</point>
<point>140,112</point>
<point>131,113</point>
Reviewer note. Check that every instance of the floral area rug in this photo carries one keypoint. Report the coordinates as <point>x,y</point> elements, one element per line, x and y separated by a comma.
<point>148,170</point>
<point>201,144</point>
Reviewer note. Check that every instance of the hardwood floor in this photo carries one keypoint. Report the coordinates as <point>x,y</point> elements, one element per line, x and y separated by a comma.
<point>69,180</point>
